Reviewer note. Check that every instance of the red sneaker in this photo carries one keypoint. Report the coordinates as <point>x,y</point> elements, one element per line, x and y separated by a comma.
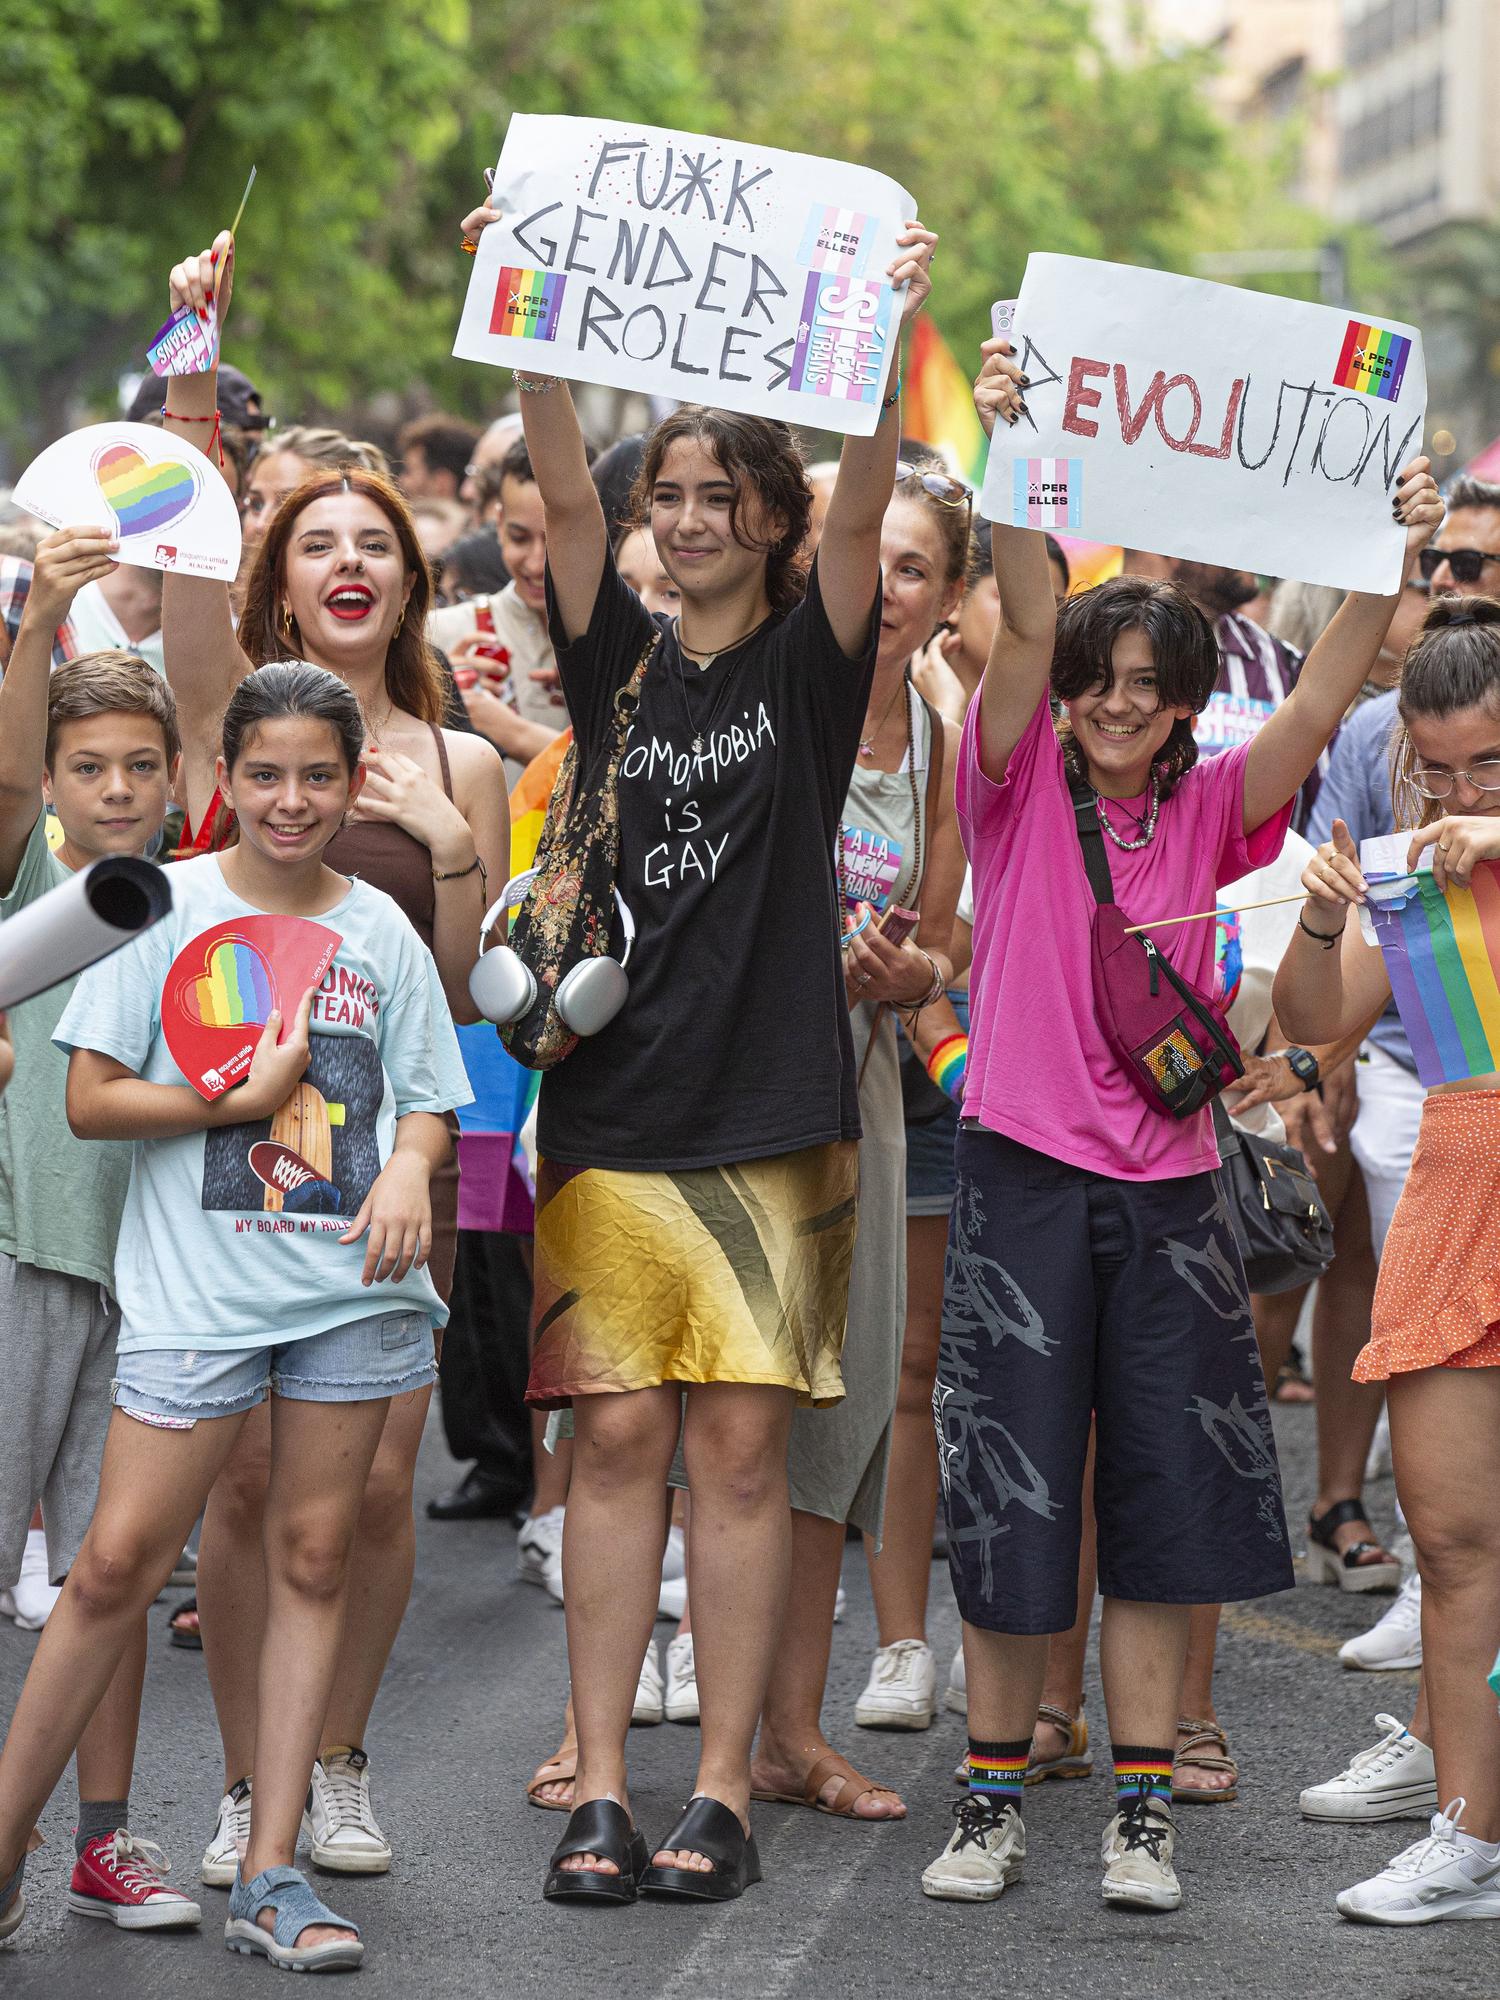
<point>119,1878</point>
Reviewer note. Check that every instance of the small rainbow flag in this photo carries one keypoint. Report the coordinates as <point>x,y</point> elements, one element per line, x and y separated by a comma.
<point>1442,952</point>
<point>1372,360</point>
<point>937,402</point>
<point>527,303</point>
<point>530,796</point>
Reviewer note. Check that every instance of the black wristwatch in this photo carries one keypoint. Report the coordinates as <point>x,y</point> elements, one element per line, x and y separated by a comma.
<point>1304,1064</point>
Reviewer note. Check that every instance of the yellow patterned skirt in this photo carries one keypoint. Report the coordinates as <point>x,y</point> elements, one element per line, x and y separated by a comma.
<point>718,1274</point>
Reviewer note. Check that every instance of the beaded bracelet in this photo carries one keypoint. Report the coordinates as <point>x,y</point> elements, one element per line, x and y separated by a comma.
<point>894,397</point>
<point>948,1065</point>
<point>537,385</point>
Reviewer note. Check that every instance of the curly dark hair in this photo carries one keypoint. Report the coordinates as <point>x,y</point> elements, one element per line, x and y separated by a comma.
<point>1184,652</point>
<point>761,456</point>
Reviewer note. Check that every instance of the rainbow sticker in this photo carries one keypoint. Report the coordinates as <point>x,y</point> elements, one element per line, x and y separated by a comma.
<point>527,304</point>
<point>144,496</point>
<point>1442,952</point>
<point>233,991</point>
<point>1047,493</point>
<point>1372,360</point>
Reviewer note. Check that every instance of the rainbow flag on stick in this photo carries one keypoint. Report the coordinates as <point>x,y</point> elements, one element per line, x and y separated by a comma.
<point>1442,952</point>
<point>937,403</point>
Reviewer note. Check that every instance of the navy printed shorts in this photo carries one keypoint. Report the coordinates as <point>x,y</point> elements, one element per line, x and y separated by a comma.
<point>1070,1295</point>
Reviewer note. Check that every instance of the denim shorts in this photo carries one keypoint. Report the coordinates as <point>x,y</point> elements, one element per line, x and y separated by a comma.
<point>386,1354</point>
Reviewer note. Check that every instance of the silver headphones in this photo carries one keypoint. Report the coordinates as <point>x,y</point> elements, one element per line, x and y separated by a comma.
<point>588,997</point>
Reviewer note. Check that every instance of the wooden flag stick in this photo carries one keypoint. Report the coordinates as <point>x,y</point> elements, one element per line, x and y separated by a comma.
<point>1198,916</point>
<point>239,213</point>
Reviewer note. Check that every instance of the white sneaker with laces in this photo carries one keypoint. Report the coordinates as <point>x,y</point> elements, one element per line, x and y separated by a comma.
<point>221,1857</point>
<point>539,1551</point>
<point>339,1822</point>
<point>957,1696</point>
<point>1139,1843</point>
<point>1441,1876</point>
<point>985,1852</point>
<point>1394,1779</point>
<point>33,1594</point>
<point>649,1692</point>
<point>681,1703</point>
<point>1394,1640</point>
<point>901,1692</point>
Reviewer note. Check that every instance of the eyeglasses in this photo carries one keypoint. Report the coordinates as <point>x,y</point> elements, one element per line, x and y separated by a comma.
<point>1467,565</point>
<point>1483,777</point>
<point>943,487</point>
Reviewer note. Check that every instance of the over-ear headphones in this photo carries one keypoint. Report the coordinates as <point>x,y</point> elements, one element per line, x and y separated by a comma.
<point>504,988</point>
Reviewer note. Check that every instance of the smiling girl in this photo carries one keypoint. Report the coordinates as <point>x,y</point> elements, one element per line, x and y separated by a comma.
<point>1091,1266</point>
<point>1435,1329</point>
<point>340,580</point>
<point>325,1314</point>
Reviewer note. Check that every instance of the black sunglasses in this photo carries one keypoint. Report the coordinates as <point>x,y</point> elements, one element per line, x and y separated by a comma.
<point>1467,565</point>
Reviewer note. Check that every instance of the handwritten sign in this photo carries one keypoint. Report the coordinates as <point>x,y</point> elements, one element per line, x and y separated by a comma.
<point>695,268</point>
<point>167,504</point>
<point>1203,421</point>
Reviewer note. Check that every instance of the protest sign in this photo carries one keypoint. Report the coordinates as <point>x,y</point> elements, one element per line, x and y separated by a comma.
<point>1442,953</point>
<point>167,504</point>
<point>1203,421</point>
<point>695,268</point>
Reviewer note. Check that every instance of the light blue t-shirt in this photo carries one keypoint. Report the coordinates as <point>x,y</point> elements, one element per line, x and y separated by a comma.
<point>230,1237</point>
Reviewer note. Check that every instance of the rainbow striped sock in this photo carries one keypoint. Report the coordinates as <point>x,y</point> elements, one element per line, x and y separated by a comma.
<point>997,1771</point>
<point>1142,1771</point>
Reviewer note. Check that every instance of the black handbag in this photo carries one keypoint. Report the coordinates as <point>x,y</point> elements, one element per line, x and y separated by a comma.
<point>1284,1232</point>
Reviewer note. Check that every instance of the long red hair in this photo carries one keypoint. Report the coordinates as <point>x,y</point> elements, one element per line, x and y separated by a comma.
<point>413,679</point>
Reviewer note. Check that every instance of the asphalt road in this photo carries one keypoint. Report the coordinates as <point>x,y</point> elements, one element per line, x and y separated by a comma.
<point>473,1698</point>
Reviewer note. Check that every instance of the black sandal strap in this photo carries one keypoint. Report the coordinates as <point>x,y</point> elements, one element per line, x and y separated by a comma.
<point>601,1827</point>
<point>708,1828</point>
<point>1321,1526</point>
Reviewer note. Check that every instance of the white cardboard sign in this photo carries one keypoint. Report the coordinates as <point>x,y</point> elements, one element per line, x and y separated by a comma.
<point>1207,422</point>
<point>695,268</point>
<point>160,495</point>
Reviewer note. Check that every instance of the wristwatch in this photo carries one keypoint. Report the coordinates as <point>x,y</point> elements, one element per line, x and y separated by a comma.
<point>1304,1065</point>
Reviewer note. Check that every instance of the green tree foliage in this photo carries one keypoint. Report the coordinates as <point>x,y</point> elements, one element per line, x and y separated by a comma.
<point>133,129</point>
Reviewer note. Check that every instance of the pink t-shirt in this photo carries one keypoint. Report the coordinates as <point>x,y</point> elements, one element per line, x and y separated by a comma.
<point>1040,1070</point>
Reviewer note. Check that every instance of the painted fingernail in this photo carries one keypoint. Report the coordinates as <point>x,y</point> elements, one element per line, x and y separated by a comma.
<point>1024,380</point>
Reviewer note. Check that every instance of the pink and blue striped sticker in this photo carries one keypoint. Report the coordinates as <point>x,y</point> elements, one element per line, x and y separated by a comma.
<point>1047,493</point>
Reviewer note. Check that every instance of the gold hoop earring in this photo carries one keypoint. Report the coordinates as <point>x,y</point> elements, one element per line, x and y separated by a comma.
<point>286,623</point>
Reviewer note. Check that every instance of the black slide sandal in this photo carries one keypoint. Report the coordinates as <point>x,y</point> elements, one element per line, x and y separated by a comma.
<point>710,1829</point>
<point>600,1827</point>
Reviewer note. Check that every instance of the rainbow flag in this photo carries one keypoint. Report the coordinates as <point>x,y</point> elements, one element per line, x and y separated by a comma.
<point>1372,360</point>
<point>937,403</point>
<point>1442,952</point>
<point>527,303</point>
<point>529,797</point>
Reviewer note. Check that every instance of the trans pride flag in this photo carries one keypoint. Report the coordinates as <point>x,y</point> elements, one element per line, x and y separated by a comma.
<point>1442,952</point>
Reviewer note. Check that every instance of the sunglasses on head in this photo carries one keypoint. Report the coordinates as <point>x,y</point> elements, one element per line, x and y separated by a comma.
<point>943,487</point>
<point>1467,565</point>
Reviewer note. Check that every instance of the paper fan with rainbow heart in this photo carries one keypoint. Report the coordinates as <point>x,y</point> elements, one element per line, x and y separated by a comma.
<point>162,497</point>
<point>223,985</point>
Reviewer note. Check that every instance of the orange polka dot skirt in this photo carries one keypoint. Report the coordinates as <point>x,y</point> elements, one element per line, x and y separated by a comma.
<point>1437,1303</point>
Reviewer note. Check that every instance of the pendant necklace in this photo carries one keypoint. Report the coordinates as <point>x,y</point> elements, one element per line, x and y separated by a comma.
<point>697,733</point>
<point>867,744</point>
<point>1146,825</point>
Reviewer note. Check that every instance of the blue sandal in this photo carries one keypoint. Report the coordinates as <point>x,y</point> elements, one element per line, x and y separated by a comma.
<point>288,1893</point>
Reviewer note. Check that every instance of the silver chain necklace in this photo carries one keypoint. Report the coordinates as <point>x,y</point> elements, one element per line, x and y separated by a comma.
<point>1146,825</point>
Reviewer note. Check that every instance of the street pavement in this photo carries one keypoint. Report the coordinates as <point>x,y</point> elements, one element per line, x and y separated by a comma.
<point>473,1700</point>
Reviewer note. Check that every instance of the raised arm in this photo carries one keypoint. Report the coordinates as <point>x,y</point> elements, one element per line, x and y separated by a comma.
<point>204,660</point>
<point>849,552</point>
<point>1290,742</point>
<point>577,535</point>
<point>1015,675</point>
<point>1329,983</point>
<point>64,563</point>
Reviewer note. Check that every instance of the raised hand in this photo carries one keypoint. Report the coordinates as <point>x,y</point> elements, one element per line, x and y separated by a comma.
<point>998,387</point>
<point>911,268</point>
<point>64,562</point>
<point>1333,881</point>
<point>1458,842</point>
<point>1417,505</point>
<point>205,279</point>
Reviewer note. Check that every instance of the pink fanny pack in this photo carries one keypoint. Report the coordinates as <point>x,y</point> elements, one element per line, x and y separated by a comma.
<point>1172,1041</point>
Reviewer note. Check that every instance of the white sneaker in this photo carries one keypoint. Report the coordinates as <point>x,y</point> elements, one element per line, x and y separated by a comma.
<point>674,1556</point>
<point>1441,1876</point>
<point>539,1551</point>
<point>1394,1779</point>
<point>649,1694</point>
<point>1394,1640</point>
<point>681,1704</point>
<point>222,1856</point>
<point>957,1696</point>
<point>30,1599</point>
<point>671,1599</point>
<point>901,1692</point>
<point>1138,1846</point>
<point>339,1821</point>
<point>985,1853</point>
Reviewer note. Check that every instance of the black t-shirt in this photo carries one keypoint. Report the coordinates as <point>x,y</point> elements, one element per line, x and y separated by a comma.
<point>734,1043</point>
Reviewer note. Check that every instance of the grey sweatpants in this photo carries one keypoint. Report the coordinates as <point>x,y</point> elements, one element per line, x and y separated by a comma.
<point>57,1358</point>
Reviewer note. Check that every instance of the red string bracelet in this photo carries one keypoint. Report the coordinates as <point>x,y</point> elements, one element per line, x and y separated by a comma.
<point>215,442</point>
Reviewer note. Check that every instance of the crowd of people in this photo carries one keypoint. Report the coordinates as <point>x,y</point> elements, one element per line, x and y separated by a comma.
<point>852,1214</point>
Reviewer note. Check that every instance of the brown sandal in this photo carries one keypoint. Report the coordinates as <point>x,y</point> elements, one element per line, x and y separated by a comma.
<point>560,1768</point>
<point>845,1799</point>
<point>1204,1747</point>
<point>1077,1760</point>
